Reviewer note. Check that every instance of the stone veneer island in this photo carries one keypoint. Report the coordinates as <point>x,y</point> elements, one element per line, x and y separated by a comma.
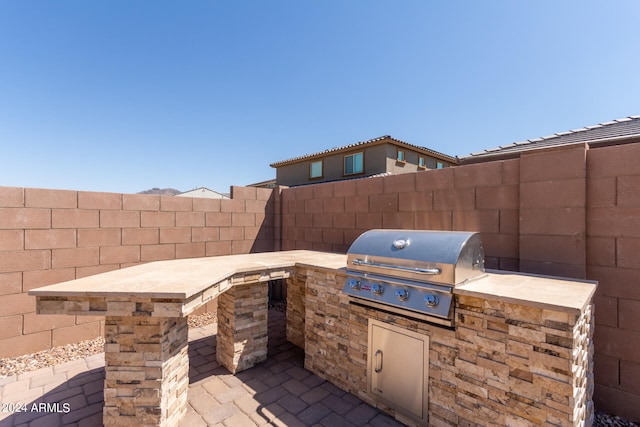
<point>521,351</point>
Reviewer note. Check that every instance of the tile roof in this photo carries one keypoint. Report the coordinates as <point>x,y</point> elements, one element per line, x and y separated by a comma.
<point>612,131</point>
<point>381,139</point>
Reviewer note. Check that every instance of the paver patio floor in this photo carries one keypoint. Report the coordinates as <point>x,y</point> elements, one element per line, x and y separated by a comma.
<point>277,392</point>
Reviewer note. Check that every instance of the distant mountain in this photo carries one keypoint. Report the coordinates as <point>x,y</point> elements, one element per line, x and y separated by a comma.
<point>162,191</point>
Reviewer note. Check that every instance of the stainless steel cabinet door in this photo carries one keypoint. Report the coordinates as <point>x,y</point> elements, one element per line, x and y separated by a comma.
<point>398,367</point>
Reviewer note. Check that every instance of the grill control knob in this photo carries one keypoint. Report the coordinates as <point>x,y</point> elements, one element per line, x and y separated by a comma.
<point>377,289</point>
<point>354,284</point>
<point>402,294</point>
<point>431,300</point>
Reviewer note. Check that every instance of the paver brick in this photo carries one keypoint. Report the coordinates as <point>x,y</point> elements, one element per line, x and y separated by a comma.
<point>298,373</point>
<point>213,415</point>
<point>288,420</point>
<point>313,381</point>
<point>247,404</point>
<point>76,415</point>
<point>239,420</point>
<point>37,419</point>
<point>231,394</point>
<point>361,414</point>
<point>340,405</point>
<point>270,396</point>
<point>96,419</point>
<point>268,412</point>
<point>254,386</point>
<point>314,413</point>
<point>277,380</point>
<point>382,420</point>
<point>296,387</point>
<point>314,395</point>
<point>335,420</point>
<point>293,404</point>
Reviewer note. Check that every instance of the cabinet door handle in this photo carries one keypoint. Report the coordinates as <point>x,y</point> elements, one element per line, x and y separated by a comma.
<point>378,357</point>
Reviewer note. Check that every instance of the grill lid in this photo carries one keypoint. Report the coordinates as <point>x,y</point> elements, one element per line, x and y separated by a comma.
<point>445,257</point>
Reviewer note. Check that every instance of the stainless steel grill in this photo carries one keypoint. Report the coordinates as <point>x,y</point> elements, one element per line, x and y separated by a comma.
<point>412,272</point>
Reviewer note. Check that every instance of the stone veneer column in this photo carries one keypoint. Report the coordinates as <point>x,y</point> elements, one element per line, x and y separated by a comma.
<point>242,326</point>
<point>147,370</point>
<point>295,307</point>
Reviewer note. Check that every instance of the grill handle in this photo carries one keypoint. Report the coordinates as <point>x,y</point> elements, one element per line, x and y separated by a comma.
<point>429,271</point>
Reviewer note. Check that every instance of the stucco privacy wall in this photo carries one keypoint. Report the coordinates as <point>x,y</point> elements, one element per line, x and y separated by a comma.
<point>51,236</point>
<point>569,211</point>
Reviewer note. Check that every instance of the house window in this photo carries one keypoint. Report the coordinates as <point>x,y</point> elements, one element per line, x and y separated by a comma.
<point>439,165</point>
<point>353,164</point>
<point>422,163</point>
<point>400,156</point>
<point>315,169</point>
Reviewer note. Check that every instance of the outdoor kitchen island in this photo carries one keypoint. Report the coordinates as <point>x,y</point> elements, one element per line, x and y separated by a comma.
<point>146,309</point>
<point>520,352</point>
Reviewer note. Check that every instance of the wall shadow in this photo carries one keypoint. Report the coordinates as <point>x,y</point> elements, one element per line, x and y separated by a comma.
<point>265,237</point>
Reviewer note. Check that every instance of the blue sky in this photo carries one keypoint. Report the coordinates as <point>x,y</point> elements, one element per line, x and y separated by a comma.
<point>123,96</point>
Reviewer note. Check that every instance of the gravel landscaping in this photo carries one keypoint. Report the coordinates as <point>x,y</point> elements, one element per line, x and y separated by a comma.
<point>54,356</point>
<point>42,359</point>
<point>605,420</point>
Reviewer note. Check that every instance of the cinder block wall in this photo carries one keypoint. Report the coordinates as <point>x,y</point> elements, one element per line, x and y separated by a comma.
<point>569,211</point>
<point>50,236</point>
<point>613,258</point>
<point>485,198</point>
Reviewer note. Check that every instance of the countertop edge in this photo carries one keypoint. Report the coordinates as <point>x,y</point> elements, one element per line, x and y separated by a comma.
<point>585,298</point>
<point>289,261</point>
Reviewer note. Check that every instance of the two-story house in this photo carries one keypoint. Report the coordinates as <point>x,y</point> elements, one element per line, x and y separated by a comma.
<point>383,155</point>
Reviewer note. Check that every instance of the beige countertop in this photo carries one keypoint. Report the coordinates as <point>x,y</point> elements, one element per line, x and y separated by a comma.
<point>554,293</point>
<point>183,278</point>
